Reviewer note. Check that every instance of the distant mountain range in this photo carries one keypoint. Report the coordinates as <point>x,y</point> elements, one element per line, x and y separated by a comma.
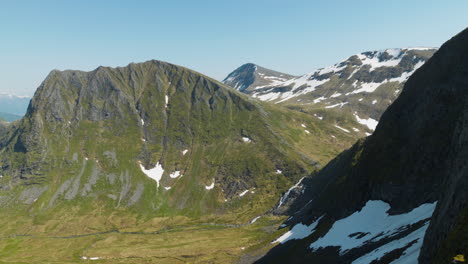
<point>360,88</point>
<point>13,107</point>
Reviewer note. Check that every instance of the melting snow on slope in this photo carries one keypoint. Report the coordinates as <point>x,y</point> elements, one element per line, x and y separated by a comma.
<point>267,96</point>
<point>306,84</point>
<point>344,129</point>
<point>154,173</point>
<point>286,194</point>
<point>209,187</point>
<point>255,219</point>
<point>246,139</point>
<point>91,258</point>
<point>366,87</point>
<point>142,122</point>
<point>307,131</point>
<point>319,117</point>
<point>404,77</point>
<point>299,231</point>
<point>374,61</point>
<point>167,100</point>
<point>366,224</point>
<point>184,152</point>
<point>175,174</point>
<point>243,193</point>
<point>370,123</point>
<point>335,105</point>
<point>318,100</point>
<point>410,255</point>
<point>371,87</point>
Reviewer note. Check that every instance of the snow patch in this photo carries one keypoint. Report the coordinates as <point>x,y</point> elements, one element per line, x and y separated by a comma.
<point>370,123</point>
<point>366,88</point>
<point>370,223</point>
<point>243,193</point>
<point>299,231</point>
<point>374,59</point>
<point>410,255</point>
<point>344,129</point>
<point>246,139</point>
<point>211,186</point>
<point>405,76</point>
<point>335,105</point>
<point>167,188</point>
<point>318,100</point>
<point>374,102</point>
<point>154,173</point>
<point>307,131</point>
<point>304,126</point>
<point>175,174</point>
<point>279,171</point>
<point>167,100</point>
<point>255,219</point>
<point>184,152</point>
<point>142,122</point>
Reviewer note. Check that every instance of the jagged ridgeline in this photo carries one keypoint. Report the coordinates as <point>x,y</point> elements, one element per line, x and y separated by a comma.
<point>153,137</point>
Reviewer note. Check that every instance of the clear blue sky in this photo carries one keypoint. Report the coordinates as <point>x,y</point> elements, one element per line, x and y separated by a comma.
<point>213,36</point>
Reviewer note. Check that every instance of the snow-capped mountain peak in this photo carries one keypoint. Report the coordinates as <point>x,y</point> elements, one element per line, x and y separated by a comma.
<point>249,77</point>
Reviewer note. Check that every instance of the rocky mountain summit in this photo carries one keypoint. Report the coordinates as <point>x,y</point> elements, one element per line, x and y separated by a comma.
<point>249,77</point>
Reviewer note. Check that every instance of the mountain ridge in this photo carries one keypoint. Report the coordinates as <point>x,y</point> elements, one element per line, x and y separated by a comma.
<point>353,93</point>
<point>414,151</point>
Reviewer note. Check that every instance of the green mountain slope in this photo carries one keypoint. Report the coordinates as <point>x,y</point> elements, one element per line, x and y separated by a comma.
<point>145,148</point>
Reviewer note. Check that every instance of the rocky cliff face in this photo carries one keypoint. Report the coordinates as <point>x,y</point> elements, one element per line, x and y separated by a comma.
<point>414,161</point>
